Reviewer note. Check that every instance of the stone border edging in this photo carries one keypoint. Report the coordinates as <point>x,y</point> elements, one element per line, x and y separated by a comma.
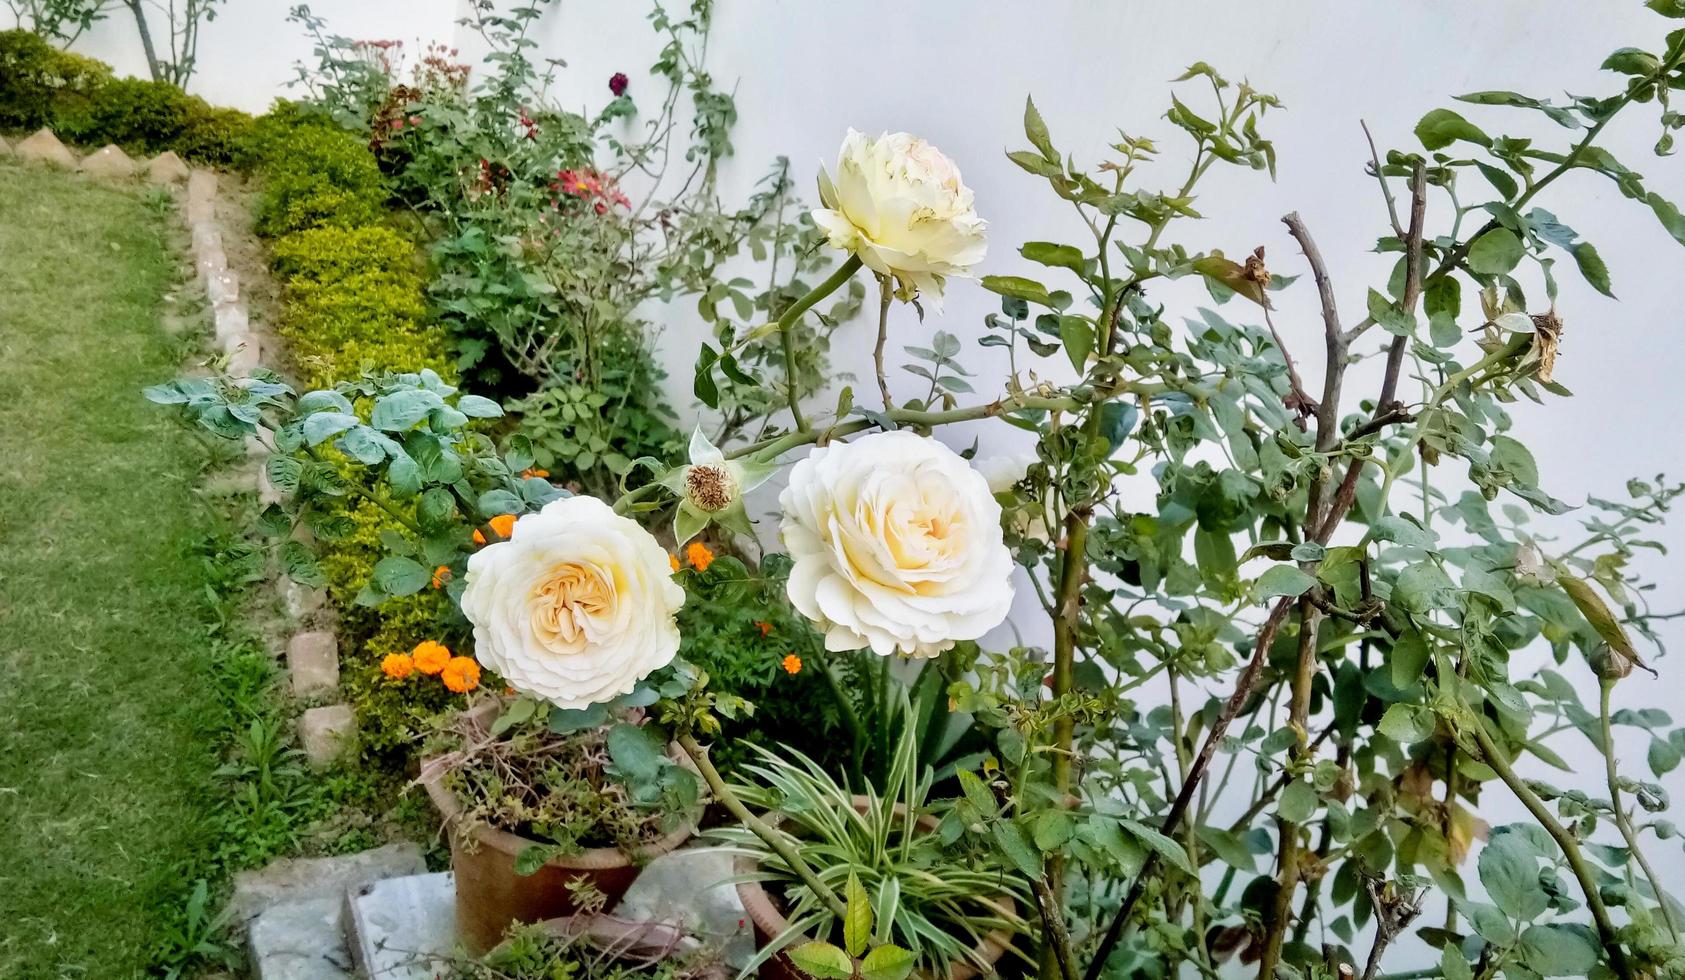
<point>312,656</point>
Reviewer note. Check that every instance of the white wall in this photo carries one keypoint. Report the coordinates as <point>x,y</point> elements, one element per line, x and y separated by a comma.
<point>956,72</point>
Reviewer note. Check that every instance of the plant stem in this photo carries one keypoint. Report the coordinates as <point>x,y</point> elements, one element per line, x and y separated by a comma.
<point>887,290</point>
<point>779,843</point>
<point>1622,819</point>
<point>787,330</point>
<point>1570,847</point>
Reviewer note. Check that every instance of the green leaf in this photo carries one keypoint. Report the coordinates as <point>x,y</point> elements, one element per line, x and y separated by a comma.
<point>1297,802</point>
<point>519,710</point>
<point>322,426</point>
<point>1390,316</point>
<point>1423,587</point>
<point>1035,129</point>
<point>1453,965</point>
<point>1053,829</point>
<point>1165,847</point>
<point>887,962</point>
<point>1017,848</point>
<point>1668,214</point>
<point>822,961</point>
<point>636,750</point>
<point>1442,127</point>
<point>1051,253</point>
<point>1077,334</point>
<point>1667,8</point>
<point>283,472</point>
<point>1017,287</point>
<point>479,407</point>
<point>1592,267</point>
<point>1496,252</point>
<point>1284,580</point>
<point>1560,950</point>
<point>301,565</point>
<point>1409,657</point>
<point>857,923</point>
<point>978,792</point>
<point>397,575</point>
<point>1509,869</point>
<point>1229,846</point>
<point>1403,530</point>
<point>1407,723</point>
<point>401,410</point>
<point>1631,61</point>
<point>1664,756</point>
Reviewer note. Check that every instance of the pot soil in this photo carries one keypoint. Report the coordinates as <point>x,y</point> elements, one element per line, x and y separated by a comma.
<point>490,896</point>
<point>767,917</point>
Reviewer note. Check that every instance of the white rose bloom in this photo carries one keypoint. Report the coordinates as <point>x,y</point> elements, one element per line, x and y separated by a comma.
<point>576,607</point>
<point>900,205</point>
<point>1005,470</point>
<point>897,546</point>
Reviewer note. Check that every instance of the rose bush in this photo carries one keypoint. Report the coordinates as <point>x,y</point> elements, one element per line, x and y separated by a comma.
<point>576,607</point>
<point>900,205</point>
<point>897,546</point>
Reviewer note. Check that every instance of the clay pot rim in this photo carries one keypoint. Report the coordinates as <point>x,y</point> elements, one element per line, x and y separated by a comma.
<point>765,912</point>
<point>593,858</point>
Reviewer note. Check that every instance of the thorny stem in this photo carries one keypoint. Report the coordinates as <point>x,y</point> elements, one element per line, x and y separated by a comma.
<point>1494,758</point>
<point>779,843</point>
<point>1623,820</point>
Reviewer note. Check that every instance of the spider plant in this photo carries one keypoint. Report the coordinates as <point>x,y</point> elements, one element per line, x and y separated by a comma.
<point>922,899</point>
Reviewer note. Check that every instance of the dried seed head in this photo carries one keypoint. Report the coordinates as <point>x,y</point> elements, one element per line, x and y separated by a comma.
<point>710,487</point>
<point>1547,333</point>
<point>1254,271</point>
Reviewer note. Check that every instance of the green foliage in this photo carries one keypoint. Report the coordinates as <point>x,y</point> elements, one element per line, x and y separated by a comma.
<point>83,103</point>
<point>534,952</point>
<point>38,82</point>
<point>314,176</point>
<point>924,897</point>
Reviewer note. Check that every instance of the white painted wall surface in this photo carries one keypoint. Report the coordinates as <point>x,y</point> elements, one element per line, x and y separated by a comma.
<point>956,72</point>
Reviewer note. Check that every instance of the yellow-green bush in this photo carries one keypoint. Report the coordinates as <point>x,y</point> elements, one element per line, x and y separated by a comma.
<point>316,177</point>
<point>352,300</point>
<point>332,254</point>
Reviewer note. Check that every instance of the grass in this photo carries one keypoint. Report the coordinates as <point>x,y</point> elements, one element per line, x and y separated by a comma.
<point>110,701</point>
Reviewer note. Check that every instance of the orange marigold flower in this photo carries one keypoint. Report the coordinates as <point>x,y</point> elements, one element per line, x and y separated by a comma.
<point>503,524</point>
<point>461,674</point>
<point>441,575</point>
<point>764,627</point>
<point>535,471</point>
<point>792,664</point>
<point>430,656</point>
<point>674,560</point>
<point>699,555</point>
<point>397,666</point>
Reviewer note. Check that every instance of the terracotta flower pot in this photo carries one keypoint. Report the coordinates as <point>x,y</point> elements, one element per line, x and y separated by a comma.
<point>490,896</point>
<point>767,917</point>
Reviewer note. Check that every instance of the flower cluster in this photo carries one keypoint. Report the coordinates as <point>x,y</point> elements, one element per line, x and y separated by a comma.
<point>431,658</point>
<point>897,545</point>
<point>589,185</point>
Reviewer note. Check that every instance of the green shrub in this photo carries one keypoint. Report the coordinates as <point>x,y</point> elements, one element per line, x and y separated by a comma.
<point>212,134</point>
<point>326,255</point>
<point>315,177</point>
<point>38,82</point>
<point>138,115</point>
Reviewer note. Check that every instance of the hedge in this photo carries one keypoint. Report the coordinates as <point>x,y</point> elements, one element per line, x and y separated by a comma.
<point>80,100</point>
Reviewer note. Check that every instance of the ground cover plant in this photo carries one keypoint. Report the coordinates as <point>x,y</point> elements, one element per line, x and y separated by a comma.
<point>1341,671</point>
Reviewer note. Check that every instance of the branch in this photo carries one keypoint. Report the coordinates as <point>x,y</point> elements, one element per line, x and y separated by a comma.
<point>1244,688</point>
<point>887,289</point>
<point>1565,841</point>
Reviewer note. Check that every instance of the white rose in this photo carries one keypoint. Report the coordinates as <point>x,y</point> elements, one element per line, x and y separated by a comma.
<point>897,546</point>
<point>900,205</point>
<point>576,607</point>
<point>1005,470</point>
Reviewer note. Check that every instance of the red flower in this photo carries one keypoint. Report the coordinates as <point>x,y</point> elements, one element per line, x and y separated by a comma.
<point>617,83</point>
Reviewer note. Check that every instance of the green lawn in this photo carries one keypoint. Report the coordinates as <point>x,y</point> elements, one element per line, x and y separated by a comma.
<point>107,703</point>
